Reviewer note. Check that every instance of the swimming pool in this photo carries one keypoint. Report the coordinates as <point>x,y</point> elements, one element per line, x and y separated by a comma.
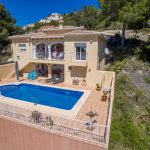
<point>49,96</point>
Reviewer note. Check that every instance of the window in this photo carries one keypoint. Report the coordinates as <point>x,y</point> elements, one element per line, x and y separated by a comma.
<point>22,47</point>
<point>80,51</point>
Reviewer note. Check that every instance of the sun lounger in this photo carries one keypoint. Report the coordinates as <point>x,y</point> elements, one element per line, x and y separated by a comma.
<point>47,80</point>
<point>58,80</point>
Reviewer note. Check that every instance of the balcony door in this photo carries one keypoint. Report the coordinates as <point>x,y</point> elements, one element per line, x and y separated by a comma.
<point>80,51</point>
<point>42,51</point>
<point>57,51</point>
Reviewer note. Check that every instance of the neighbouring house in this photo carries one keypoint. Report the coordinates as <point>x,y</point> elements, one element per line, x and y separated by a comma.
<point>51,17</point>
<point>68,51</point>
<point>28,26</point>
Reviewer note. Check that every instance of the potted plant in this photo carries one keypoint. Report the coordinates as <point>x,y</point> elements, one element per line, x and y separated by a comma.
<point>104,97</point>
<point>98,88</point>
<point>83,82</point>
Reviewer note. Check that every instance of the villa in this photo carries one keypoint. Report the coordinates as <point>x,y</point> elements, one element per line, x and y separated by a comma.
<point>70,51</point>
<point>69,104</point>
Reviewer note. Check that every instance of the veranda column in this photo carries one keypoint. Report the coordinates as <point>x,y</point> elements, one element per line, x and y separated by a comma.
<point>49,52</point>
<point>34,52</point>
<point>45,53</point>
<point>49,70</point>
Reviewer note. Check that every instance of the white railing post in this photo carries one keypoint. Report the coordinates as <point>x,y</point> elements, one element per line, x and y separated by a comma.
<point>49,52</point>
<point>34,52</point>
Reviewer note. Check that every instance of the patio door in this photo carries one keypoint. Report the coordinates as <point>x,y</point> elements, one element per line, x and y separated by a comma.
<point>42,69</point>
<point>58,71</point>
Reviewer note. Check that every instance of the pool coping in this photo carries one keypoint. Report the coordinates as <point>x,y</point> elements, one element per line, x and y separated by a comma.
<point>48,109</point>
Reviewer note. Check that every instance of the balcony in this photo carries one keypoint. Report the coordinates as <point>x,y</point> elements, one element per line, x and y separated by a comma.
<point>79,59</point>
<point>45,56</point>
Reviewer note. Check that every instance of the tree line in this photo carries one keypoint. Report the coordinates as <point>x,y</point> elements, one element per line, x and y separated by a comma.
<point>128,14</point>
<point>123,14</point>
<point>7,27</point>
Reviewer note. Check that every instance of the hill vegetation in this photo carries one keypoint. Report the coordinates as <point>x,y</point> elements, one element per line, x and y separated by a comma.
<point>7,28</point>
<point>131,117</point>
<point>130,127</point>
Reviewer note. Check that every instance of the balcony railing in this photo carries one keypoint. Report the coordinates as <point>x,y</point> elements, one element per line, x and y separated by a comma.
<point>49,56</point>
<point>56,124</point>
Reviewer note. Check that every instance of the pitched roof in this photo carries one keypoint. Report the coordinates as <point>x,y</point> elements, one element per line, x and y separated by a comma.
<point>86,32</point>
<point>76,31</point>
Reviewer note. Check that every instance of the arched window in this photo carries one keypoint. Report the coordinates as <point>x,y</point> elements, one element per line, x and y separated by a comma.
<point>42,51</point>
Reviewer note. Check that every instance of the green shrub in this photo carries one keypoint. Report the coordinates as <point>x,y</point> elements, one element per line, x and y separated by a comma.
<point>118,66</point>
<point>146,30</point>
<point>145,52</point>
<point>147,79</point>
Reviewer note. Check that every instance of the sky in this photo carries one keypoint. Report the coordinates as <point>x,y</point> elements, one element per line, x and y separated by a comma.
<point>30,11</point>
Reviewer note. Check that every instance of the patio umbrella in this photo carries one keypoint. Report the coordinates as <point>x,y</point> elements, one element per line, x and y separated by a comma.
<point>17,70</point>
<point>91,114</point>
<point>90,122</point>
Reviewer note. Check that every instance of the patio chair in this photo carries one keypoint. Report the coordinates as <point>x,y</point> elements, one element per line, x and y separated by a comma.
<point>54,54</point>
<point>36,116</point>
<point>49,121</point>
<point>76,81</point>
<point>60,56</point>
<point>90,124</point>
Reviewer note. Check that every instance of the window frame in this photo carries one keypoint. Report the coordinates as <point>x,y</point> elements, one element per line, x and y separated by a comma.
<point>82,46</point>
<point>22,48</point>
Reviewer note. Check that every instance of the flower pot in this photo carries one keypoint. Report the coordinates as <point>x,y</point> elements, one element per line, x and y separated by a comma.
<point>84,83</point>
<point>104,98</point>
<point>98,89</point>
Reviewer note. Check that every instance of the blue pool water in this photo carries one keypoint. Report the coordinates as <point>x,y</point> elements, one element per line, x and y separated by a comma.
<point>49,96</point>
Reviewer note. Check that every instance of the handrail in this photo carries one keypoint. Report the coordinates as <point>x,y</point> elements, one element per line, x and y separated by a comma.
<point>110,108</point>
<point>65,126</point>
<point>50,56</point>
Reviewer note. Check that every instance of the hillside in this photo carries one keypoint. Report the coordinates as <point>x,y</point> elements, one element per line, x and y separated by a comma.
<point>130,128</point>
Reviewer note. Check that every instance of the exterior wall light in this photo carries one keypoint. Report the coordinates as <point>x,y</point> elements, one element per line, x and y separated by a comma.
<point>18,57</point>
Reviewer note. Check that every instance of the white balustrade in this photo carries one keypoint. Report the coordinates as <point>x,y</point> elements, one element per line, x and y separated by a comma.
<point>70,127</point>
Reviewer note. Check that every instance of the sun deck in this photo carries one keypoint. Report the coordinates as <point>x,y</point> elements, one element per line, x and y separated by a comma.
<point>74,127</point>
